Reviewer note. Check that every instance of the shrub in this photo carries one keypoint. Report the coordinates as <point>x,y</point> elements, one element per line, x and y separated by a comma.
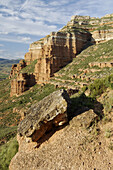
<point>100,85</point>
<point>97,88</point>
<point>7,152</point>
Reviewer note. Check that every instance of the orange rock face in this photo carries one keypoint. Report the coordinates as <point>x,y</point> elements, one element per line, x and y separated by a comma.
<point>55,52</point>
<point>17,67</point>
<point>22,83</point>
<point>52,53</point>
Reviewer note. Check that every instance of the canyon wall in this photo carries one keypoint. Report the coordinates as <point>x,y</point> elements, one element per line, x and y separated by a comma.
<point>52,53</point>
<point>58,49</point>
<point>100,28</point>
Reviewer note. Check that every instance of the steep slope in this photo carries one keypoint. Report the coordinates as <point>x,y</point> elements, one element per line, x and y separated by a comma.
<point>70,148</point>
<point>92,63</point>
<point>12,110</point>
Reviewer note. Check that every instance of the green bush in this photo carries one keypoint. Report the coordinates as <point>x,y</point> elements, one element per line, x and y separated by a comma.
<point>7,152</point>
<point>7,132</point>
<point>111,146</point>
<point>100,85</point>
<point>97,88</point>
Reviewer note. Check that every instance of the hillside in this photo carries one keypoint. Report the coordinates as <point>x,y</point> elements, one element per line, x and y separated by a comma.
<point>93,63</point>
<point>86,72</point>
<point>5,67</point>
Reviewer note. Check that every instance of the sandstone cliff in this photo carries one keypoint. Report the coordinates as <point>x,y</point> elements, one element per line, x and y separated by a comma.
<point>58,49</point>
<point>100,28</point>
<point>52,53</point>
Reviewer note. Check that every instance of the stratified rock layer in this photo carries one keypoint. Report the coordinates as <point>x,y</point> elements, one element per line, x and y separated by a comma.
<point>59,48</point>
<point>100,28</point>
<point>44,115</point>
<point>52,53</point>
<point>22,83</point>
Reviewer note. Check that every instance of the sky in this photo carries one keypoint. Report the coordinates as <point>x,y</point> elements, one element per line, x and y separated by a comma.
<point>25,21</point>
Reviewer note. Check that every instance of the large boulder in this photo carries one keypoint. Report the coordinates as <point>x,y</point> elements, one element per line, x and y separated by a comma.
<point>44,116</point>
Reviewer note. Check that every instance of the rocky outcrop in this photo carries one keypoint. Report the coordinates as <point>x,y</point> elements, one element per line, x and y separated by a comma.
<point>52,53</point>
<point>59,48</point>
<point>44,116</point>
<point>101,64</point>
<point>22,83</point>
<point>75,145</point>
<point>102,35</point>
<point>41,122</point>
<point>16,68</point>
<point>100,28</point>
<point>58,51</point>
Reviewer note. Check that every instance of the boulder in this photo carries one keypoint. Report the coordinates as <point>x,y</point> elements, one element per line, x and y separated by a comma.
<point>45,115</point>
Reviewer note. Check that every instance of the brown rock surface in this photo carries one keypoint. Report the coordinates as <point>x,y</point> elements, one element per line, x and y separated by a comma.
<point>44,115</point>
<point>59,48</point>
<point>101,64</point>
<point>17,67</point>
<point>22,83</point>
<point>52,53</point>
<point>71,148</point>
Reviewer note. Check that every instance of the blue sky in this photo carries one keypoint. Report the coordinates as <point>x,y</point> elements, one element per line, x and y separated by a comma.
<point>25,21</point>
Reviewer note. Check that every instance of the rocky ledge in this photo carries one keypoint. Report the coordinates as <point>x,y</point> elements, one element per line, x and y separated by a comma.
<point>41,122</point>
<point>44,116</point>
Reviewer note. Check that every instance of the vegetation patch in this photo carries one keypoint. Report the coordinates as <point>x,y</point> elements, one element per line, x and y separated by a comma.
<point>7,151</point>
<point>30,68</point>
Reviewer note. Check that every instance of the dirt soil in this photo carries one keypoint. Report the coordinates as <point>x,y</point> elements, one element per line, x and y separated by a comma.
<point>77,146</point>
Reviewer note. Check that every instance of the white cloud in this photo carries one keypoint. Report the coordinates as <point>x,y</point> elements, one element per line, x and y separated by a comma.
<point>3,33</point>
<point>39,17</point>
<point>1,45</point>
<point>2,51</point>
<point>21,20</point>
<point>25,39</point>
<point>15,25</point>
<point>16,39</point>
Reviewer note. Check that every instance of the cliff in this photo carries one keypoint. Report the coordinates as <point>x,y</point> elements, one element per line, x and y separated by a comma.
<point>58,49</point>
<point>100,28</point>
<point>51,53</point>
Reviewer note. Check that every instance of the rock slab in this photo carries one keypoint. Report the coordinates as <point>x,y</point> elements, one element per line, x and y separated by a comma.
<point>45,115</point>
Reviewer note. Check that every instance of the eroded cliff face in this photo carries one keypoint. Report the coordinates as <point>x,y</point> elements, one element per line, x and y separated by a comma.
<point>58,49</point>
<point>52,53</point>
<point>21,83</point>
<point>100,28</point>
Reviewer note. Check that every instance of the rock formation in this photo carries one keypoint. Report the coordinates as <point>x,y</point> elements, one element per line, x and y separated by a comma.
<point>58,49</point>
<point>70,148</point>
<point>22,83</point>
<point>16,68</point>
<point>45,115</point>
<point>101,64</point>
<point>52,53</point>
<point>100,28</point>
<point>42,120</point>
